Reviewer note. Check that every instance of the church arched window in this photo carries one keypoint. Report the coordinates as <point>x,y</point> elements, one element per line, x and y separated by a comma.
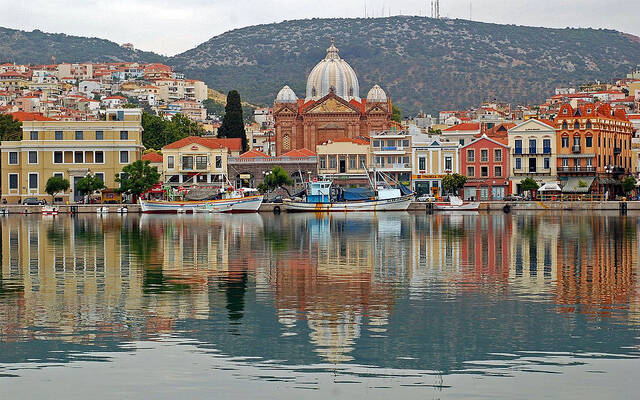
<point>286,142</point>
<point>351,91</point>
<point>313,92</point>
<point>565,125</point>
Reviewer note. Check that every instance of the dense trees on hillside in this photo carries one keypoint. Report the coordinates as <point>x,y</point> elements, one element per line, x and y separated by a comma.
<point>159,132</point>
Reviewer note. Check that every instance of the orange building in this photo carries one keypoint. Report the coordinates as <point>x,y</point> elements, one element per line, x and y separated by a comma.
<point>593,148</point>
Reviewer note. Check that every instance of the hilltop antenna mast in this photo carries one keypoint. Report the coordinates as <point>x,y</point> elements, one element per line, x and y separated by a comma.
<point>435,9</point>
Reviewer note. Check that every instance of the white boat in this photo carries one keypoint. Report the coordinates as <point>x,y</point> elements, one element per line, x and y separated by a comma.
<point>456,204</point>
<point>320,198</point>
<point>122,210</point>
<point>102,210</point>
<point>49,210</point>
<point>239,200</point>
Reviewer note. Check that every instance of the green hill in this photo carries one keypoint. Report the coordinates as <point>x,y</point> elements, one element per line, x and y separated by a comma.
<point>423,63</point>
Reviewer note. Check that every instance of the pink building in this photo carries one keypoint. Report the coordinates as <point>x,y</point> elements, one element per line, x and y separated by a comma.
<point>485,163</point>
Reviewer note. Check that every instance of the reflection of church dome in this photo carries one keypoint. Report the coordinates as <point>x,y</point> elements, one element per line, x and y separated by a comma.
<point>286,95</point>
<point>376,95</point>
<point>332,72</point>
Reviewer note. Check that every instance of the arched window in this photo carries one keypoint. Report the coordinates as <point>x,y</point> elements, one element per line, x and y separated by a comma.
<point>286,142</point>
<point>576,125</point>
<point>588,124</point>
<point>313,92</point>
<point>565,125</point>
<point>351,92</point>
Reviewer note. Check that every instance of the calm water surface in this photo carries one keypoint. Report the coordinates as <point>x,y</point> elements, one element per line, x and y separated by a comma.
<point>320,306</point>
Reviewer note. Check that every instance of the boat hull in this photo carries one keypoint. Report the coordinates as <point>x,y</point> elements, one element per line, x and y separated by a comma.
<point>397,204</point>
<point>244,204</point>
<point>464,207</point>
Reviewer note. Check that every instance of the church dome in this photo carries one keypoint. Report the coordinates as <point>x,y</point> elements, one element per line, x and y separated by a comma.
<point>286,95</point>
<point>332,73</point>
<point>376,95</point>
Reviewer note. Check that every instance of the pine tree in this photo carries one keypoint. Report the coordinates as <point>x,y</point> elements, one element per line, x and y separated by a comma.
<point>232,122</point>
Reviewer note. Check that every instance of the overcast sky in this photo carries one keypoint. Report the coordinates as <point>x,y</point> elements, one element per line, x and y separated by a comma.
<point>171,27</point>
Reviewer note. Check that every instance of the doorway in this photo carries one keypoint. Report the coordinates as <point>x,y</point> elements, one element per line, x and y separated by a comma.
<point>343,166</point>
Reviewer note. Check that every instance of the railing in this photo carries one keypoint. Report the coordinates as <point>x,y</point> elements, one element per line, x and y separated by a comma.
<point>570,197</point>
<point>393,166</point>
<point>272,160</point>
<point>546,150</point>
<point>577,169</point>
<point>517,150</point>
<point>532,151</point>
<point>389,148</point>
<point>576,148</point>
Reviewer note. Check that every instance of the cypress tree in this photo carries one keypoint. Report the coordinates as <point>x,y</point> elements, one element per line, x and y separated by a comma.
<point>232,122</point>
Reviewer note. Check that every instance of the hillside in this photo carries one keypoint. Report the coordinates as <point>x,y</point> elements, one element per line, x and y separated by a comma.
<point>423,63</point>
<point>38,47</point>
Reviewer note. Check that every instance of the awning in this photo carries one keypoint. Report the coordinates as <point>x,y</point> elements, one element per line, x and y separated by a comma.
<point>579,184</point>
<point>550,187</point>
<point>609,181</point>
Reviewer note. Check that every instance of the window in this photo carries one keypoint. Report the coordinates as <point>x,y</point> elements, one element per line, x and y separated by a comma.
<point>484,171</point>
<point>564,124</point>
<point>79,135</point>
<point>461,141</point>
<point>13,158</point>
<point>564,111</point>
<point>124,135</point>
<point>391,143</point>
<point>589,123</point>
<point>362,161</point>
<point>565,162</point>
<point>99,175</point>
<point>353,161</point>
<point>589,162</point>
<point>546,146</point>
<point>589,141</point>
<point>471,156</point>
<point>332,162</point>
<point>565,141</point>
<point>448,163</point>
<point>78,157</point>
<point>187,162</point>
<point>518,146</point>
<point>201,162</point>
<point>576,140</point>
<point>471,172</point>
<point>33,181</point>
<point>170,162</point>
<point>405,143</point>
<point>218,162</point>
<point>59,175</point>
<point>497,171</point>
<point>33,157</point>
<point>323,162</point>
<point>484,155</point>
<point>518,163</point>
<point>497,155</point>
<point>422,163</point>
<point>532,146</point>
<point>13,181</point>
<point>58,135</point>
<point>99,135</point>
<point>34,135</point>
<point>376,143</point>
<point>124,157</point>
<point>546,162</point>
<point>57,157</point>
<point>576,125</point>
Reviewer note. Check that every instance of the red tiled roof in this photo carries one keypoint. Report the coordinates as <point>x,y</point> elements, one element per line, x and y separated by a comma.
<point>349,140</point>
<point>467,126</point>
<point>29,116</point>
<point>253,153</point>
<point>114,98</point>
<point>299,153</point>
<point>152,157</point>
<point>232,144</point>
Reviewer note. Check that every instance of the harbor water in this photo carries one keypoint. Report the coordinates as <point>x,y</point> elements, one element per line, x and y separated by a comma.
<point>376,306</point>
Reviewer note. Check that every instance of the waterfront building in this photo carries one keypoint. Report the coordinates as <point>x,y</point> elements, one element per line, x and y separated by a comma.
<point>485,163</point>
<point>250,168</point>
<point>594,148</point>
<point>197,159</point>
<point>71,150</point>
<point>391,150</point>
<point>533,152</point>
<point>463,133</point>
<point>331,109</point>
<point>155,160</point>
<point>345,161</point>
<point>432,158</point>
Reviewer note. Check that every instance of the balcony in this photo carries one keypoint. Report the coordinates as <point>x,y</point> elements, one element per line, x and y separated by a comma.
<point>517,150</point>
<point>585,170</point>
<point>390,167</point>
<point>576,148</point>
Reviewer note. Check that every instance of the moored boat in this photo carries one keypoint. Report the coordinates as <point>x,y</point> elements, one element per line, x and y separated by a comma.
<point>49,210</point>
<point>238,200</point>
<point>456,204</point>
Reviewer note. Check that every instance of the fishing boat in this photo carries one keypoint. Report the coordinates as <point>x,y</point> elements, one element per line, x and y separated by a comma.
<point>49,210</point>
<point>321,196</point>
<point>456,204</point>
<point>233,200</point>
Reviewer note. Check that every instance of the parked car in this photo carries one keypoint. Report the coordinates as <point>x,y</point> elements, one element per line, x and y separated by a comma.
<point>426,198</point>
<point>513,197</point>
<point>274,199</point>
<point>32,201</point>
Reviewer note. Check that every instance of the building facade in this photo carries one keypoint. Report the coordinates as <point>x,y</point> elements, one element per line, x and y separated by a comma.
<point>391,152</point>
<point>249,169</point>
<point>594,147</point>
<point>432,159</point>
<point>70,150</point>
<point>332,108</point>
<point>485,163</point>
<point>533,153</point>
<point>345,161</point>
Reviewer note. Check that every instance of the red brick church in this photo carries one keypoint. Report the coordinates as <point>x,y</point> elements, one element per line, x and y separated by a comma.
<point>331,109</point>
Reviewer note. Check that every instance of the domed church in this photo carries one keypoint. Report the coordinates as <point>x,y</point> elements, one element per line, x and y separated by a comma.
<point>332,107</point>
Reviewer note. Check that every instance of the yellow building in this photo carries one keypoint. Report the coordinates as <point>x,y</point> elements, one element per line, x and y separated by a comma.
<point>196,159</point>
<point>70,149</point>
<point>433,157</point>
<point>344,160</point>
